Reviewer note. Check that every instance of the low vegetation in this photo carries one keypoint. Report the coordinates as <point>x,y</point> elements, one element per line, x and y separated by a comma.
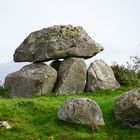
<point>36,119</point>
<point>125,76</point>
<point>128,75</point>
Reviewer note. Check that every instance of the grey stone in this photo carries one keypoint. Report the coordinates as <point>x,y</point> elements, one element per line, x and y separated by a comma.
<point>82,111</point>
<point>127,108</point>
<point>71,76</point>
<point>100,76</point>
<point>33,79</point>
<point>59,41</point>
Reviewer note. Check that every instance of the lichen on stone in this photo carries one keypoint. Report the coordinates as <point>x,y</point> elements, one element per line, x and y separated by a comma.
<point>63,32</point>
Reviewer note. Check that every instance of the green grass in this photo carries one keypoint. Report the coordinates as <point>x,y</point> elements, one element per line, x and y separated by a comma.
<point>36,119</point>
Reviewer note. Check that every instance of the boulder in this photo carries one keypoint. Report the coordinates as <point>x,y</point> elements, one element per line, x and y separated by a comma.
<point>127,108</point>
<point>100,76</point>
<point>82,111</point>
<point>71,76</point>
<point>33,79</point>
<point>59,41</point>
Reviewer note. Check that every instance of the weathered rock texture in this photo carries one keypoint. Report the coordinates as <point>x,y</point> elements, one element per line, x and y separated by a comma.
<point>33,79</point>
<point>100,76</point>
<point>56,42</point>
<point>67,42</point>
<point>81,111</point>
<point>71,76</point>
<point>127,108</point>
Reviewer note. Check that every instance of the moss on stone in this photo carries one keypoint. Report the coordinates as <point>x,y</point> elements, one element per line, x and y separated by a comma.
<point>69,32</point>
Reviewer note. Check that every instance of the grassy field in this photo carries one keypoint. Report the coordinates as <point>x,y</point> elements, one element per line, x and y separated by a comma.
<point>36,119</point>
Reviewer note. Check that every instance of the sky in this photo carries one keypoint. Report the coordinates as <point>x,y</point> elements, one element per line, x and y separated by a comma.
<point>115,24</point>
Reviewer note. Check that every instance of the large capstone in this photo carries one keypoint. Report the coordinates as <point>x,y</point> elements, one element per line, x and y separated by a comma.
<point>100,76</point>
<point>127,108</point>
<point>59,41</point>
<point>33,79</point>
<point>82,111</point>
<point>71,76</point>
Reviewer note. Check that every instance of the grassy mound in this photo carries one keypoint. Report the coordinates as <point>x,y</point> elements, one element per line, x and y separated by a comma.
<point>36,119</point>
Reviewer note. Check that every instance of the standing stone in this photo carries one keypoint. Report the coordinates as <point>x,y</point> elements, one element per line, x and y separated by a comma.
<point>100,76</point>
<point>81,111</point>
<point>71,76</point>
<point>127,108</point>
<point>33,79</point>
<point>59,41</point>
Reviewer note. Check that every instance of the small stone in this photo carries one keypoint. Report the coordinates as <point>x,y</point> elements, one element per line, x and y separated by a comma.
<point>5,124</point>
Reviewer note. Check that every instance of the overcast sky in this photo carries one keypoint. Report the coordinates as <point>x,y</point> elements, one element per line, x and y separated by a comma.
<point>113,23</point>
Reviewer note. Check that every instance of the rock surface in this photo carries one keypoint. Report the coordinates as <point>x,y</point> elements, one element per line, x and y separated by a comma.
<point>100,76</point>
<point>33,79</point>
<point>127,108</point>
<point>81,111</point>
<point>71,76</point>
<point>59,41</point>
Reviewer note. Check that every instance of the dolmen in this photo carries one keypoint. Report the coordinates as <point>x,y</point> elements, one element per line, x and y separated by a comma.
<point>67,46</point>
